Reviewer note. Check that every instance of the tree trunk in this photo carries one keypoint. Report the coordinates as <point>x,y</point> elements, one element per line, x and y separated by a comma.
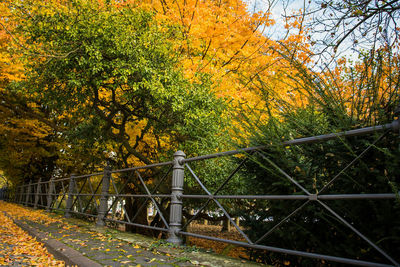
<point>226,225</point>
<point>132,208</point>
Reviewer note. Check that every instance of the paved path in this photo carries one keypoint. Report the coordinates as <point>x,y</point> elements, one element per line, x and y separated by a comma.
<point>18,248</point>
<point>101,248</point>
<point>80,242</point>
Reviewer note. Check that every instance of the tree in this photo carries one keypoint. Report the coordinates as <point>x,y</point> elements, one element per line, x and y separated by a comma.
<point>111,81</point>
<point>365,24</point>
<point>27,147</point>
<point>338,99</point>
<point>137,80</point>
<point>231,45</point>
<point>121,76</point>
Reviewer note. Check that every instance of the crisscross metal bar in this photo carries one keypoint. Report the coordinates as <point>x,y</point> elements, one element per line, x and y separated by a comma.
<point>64,192</point>
<point>216,191</point>
<point>219,205</point>
<point>28,194</point>
<point>42,197</point>
<point>93,195</point>
<point>152,199</point>
<point>291,252</point>
<point>42,193</point>
<point>117,197</point>
<point>353,161</point>
<point>37,194</point>
<point>306,140</point>
<point>152,192</point>
<point>281,222</point>
<point>31,192</point>
<point>117,193</point>
<point>78,199</point>
<point>284,173</point>
<point>94,192</point>
<point>358,233</point>
<point>78,195</point>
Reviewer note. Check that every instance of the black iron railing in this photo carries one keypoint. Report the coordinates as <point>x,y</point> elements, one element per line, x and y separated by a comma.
<point>104,196</point>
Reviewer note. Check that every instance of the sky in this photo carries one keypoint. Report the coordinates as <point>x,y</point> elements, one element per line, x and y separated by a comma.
<point>277,9</point>
<point>280,8</point>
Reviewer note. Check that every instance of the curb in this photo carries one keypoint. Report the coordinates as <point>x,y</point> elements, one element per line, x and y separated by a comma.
<point>57,248</point>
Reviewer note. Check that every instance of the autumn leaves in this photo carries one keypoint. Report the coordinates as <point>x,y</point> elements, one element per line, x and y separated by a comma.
<point>105,246</point>
<point>17,246</point>
<point>138,79</point>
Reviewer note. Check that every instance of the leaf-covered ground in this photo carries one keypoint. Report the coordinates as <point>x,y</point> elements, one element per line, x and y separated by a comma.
<point>18,248</point>
<point>218,247</point>
<point>103,248</point>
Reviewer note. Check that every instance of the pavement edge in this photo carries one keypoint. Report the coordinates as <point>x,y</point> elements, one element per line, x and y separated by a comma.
<point>60,251</point>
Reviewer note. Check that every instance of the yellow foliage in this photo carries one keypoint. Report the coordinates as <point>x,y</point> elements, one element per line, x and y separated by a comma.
<point>225,41</point>
<point>19,245</point>
<point>218,38</point>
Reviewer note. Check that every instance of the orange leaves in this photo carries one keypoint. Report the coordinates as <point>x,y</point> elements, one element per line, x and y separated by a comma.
<point>19,213</point>
<point>215,42</point>
<point>221,39</point>
<point>17,246</point>
<point>11,67</point>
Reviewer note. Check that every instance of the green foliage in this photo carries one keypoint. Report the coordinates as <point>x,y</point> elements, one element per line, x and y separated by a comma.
<point>111,78</point>
<point>313,166</point>
<point>313,228</point>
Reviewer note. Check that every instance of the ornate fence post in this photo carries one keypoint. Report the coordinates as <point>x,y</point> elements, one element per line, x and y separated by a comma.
<point>28,193</point>
<point>35,205</point>
<point>71,186</point>
<point>50,194</point>
<point>175,219</point>
<point>103,207</point>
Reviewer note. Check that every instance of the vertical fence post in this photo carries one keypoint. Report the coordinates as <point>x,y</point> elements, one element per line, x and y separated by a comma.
<point>16,196</point>
<point>35,205</point>
<point>103,207</point>
<point>71,186</point>
<point>175,217</point>
<point>21,193</point>
<point>28,193</point>
<point>50,194</point>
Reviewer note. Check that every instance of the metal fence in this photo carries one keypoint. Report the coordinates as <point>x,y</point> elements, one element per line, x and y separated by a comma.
<point>104,196</point>
<point>4,193</point>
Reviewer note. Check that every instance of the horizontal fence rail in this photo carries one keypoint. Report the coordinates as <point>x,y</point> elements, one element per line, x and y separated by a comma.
<point>121,197</point>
